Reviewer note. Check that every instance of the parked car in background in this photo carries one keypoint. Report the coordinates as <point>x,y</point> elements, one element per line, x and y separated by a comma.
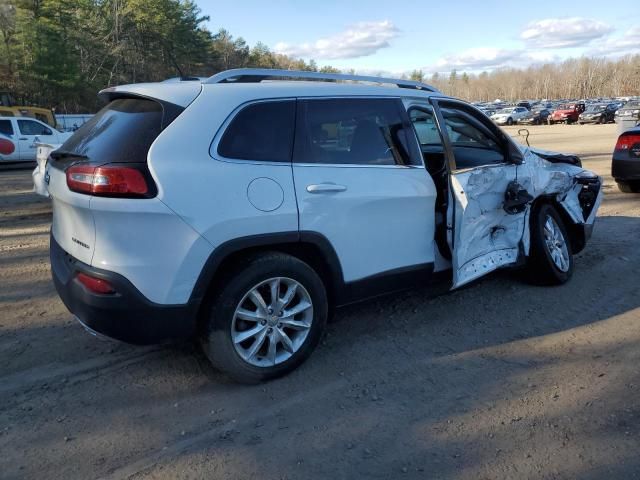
<point>535,117</point>
<point>567,113</point>
<point>26,134</point>
<point>10,108</point>
<point>598,113</point>
<point>71,122</point>
<point>268,229</point>
<point>524,104</point>
<point>509,115</point>
<point>630,110</point>
<point>625,165</point>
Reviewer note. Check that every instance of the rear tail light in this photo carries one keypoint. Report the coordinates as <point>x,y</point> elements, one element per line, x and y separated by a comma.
<point>108,181</point>
<point>629,143</point>
<point>95,285</point>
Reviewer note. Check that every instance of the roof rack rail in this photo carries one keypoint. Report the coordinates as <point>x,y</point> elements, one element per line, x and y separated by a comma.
<point>256,75</point>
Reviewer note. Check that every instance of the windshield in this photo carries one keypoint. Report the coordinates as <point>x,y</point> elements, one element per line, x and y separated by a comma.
<point>506,110</point>
<point>596,108</point>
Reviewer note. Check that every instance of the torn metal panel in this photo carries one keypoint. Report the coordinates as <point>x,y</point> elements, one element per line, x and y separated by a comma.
<point>486,236</point>
<point>493,204</point>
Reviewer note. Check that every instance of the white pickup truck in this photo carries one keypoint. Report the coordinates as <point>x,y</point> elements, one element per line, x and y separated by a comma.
<point>26,134</point>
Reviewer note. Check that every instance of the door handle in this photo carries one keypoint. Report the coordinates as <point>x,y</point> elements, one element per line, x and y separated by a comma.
<point>23,138</point>
<point>326,188</point>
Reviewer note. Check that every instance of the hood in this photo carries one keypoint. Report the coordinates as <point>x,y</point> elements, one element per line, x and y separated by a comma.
<point>555,157</point>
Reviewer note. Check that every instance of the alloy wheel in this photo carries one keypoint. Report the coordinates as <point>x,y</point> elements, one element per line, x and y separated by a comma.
<point>272,321</point>
<point>556,244</point>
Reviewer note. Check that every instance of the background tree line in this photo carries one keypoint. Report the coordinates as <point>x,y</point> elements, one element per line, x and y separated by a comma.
<point>59,53</point>
<point>572,79</point>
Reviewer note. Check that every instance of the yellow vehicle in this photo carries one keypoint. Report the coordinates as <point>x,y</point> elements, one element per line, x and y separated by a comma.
<point>8,108</point>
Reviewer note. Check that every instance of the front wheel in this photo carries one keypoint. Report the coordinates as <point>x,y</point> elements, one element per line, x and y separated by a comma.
<point>550,260</point>
<point>509,121</point>
<point>267,318</point>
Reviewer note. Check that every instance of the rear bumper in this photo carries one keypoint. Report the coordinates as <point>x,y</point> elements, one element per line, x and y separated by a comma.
<point>126,315</point>
<point>624,170</point>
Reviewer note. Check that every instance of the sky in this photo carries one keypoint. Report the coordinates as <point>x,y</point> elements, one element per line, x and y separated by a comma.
<point>377,36</point>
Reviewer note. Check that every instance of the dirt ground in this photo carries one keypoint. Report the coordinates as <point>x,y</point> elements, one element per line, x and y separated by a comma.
<point>497,380</point>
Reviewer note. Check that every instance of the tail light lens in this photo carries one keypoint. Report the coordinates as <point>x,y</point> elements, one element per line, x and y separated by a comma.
<point>629,143</point>
<point>95,285</point>
<point>108,181</point>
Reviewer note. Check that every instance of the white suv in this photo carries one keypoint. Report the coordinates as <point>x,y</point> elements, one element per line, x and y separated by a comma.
<point>241,209</point>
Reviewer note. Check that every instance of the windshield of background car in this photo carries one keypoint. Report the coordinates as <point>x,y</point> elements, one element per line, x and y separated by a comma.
<point>596,108</point>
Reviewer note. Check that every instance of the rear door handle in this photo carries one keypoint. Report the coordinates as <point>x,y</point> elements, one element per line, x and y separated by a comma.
<point>23,138</point>
<point>325,188</point>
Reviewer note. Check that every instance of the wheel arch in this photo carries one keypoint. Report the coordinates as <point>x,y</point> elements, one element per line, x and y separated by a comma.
<point>576,231</point>
<point>310,247</point>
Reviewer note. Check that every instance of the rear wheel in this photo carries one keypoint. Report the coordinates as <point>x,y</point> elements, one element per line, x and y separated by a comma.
<point>266,319</point>
<point>629,187</point>
<point>551,258</point>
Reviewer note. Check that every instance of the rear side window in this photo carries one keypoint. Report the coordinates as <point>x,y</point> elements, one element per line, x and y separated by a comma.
<point>29,127</point>
<point>6,127</point>
<point>364,131</point>
<point>121,132</point>
<point>261,131</point>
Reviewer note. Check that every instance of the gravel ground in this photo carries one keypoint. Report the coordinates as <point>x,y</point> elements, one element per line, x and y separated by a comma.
<point>498,380</point>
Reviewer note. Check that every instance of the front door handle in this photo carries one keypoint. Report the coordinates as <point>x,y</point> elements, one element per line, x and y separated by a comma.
<point>23,138</point>
<point>325,188</point>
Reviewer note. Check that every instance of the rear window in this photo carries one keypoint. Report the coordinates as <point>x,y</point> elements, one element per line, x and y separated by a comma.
<point>121,132</point>
<point>261,131</point>
<point>355,131</point>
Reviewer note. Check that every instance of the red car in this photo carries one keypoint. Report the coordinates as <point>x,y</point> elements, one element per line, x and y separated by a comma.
<point>567,113</point>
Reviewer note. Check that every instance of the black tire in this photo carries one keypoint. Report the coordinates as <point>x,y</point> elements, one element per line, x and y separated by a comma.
<point>629,187</point>
<point>509,121</point>
<point>541,268</point>
<point>217,341</point>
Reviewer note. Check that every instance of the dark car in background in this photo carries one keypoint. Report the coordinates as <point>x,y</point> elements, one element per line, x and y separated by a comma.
<point>625,166</point>
<point>536,117</point>
<point>598,113</point>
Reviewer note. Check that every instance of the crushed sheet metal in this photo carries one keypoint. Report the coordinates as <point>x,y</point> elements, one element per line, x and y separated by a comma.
<point>490,238</point>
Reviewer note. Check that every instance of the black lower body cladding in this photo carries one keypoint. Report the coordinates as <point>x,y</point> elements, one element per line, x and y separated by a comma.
<point>125,315</point>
